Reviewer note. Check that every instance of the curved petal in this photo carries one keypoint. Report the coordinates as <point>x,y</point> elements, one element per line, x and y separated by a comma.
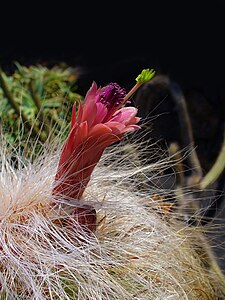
<point>124,114</point>
<point>99,129</point>
<point>89,113</point>
<point>101,113</point>
<point>116,127</point>
<point>82,133</point>
<point>76,136</point>
<point>93,111</point>
<point>68,146</point>
<point>73,118</point>
<point>91,93</point>
<point>80,112</point>
<point>131,128</point>
<point>132,120</point>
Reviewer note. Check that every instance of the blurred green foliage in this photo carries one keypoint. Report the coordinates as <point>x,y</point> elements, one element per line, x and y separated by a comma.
<point>36,102</point>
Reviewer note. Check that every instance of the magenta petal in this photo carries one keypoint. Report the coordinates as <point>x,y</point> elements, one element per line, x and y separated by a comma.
<point>101,113</point>
<point>99,129</point>
<point>124,114</point>
<point>89,112</point>
<point>80,112</point>
<point>82,133</point>
<point>137,119</point>
<point>76,136</point>
<point>91,93</point>
<point>132,120</point>
<point>73,118</point>
<point>68,146</point>
<point>131,128</point>
<point>116,127</point>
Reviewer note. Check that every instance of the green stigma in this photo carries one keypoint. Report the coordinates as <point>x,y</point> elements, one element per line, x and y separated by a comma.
<point>145,76</point>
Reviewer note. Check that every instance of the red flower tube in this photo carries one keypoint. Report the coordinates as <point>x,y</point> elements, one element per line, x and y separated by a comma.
<point>91,132</point>
<point>101,120</point>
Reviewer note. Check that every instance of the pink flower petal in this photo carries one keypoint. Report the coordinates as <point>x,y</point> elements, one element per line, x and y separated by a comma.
<point>73,118</point>
<point>101,113</point>
<point>91,93</point>
<point>131,128</point>
<point>89,113</point>
<point>99,129</point>
<point>80,112</point>
<point>124,114</point>
<point>132,120</point>
<point>116,127</point>
<point>76,137</point>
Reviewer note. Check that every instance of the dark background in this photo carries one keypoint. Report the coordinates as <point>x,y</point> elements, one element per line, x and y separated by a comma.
<point>115,40</point>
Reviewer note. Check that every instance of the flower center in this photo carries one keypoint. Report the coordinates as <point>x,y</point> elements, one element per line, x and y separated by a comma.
<point>112,95</point>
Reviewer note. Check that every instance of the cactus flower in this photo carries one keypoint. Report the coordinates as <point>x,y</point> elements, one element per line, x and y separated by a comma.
<point>95,126</point>
<point>100,120</point>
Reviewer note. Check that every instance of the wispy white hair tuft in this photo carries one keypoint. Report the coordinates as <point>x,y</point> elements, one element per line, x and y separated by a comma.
<point>140,249</point>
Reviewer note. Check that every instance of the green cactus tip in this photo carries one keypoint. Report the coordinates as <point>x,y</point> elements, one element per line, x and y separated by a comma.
<point>145,75</point>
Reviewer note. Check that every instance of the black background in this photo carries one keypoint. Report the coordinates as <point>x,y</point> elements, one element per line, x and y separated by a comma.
<point>113,41</point>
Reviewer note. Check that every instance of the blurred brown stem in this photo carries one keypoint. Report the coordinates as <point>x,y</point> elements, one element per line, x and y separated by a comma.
<point>186,128</point>
<point>174,151</point>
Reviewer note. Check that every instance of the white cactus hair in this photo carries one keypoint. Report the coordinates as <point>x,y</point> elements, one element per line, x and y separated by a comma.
<point>137,252</point>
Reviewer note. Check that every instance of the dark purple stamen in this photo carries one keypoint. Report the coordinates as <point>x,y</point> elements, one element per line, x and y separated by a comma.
<point>112,95</point>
